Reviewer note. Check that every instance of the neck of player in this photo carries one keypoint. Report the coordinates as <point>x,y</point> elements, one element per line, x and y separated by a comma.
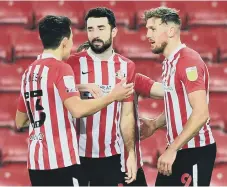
<point>56,53</point>
<point>105,55</point>
<point>171,47</point>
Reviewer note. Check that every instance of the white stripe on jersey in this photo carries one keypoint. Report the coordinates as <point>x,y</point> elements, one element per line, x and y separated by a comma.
<point>48,125</point>
<point>110,110</point>
<point>74,137</point>
<point>31,147</point>
<point>83,121</point>
<point>37,130</point>
<point>175,101</point>
<point>191,143</point>
<point>96,116</point>
<point>61,128</point>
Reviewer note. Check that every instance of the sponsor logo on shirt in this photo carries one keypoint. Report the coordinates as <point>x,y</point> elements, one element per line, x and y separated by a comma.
<point>36,137</point>
<point>69,84</point>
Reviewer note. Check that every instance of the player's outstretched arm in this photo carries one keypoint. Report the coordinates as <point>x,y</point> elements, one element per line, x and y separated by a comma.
<point>81,108</point>
<point>157,91</point>
<point>92,88</point>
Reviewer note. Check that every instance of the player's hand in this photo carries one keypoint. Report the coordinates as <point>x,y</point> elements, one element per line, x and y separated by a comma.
<point>94,89</point>
<point>166,161</point>
<point>131,168</point>
<point>122,90</point>
<point>147,128</point>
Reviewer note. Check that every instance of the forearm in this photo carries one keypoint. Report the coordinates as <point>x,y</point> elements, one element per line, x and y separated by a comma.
<point>160,121</point>
<point>21,119</point>
<point>191,129</point>
<point>87,107</point>
<point>127,127</point>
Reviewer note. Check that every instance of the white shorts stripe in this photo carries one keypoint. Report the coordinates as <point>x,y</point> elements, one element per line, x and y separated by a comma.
<point>195,175</point>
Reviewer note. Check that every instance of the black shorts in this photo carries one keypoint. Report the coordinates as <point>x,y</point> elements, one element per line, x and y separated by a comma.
<point>68,176</point>
<point>140,179</point>
<point>192,167</point>
<point>102,171</point>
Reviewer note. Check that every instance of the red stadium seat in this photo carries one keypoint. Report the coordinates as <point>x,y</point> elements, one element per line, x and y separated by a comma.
<point>15,174</point>
<point>218,77</point>
<point>149,148</point>
<point>123,10</point>
<point>28,45</point>
<point>207,13</point>
<point>11,150</point>
<point>13,12</point>
<point>134,45</point>
<point>5,47</point>
<point>79,37</point>
<point>150,108</point>
<point>222,41</point>
<point>150,174</point>
<point>218,101</point>
<point>150,69</point>
<point>221,139</point>
<point>8,108</point>
<point>73,10</point>
<point>203,42</point>
<point>10,79</point>
<point>219,175</point>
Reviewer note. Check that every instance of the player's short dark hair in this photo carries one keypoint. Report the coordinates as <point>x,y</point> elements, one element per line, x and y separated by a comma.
<point>166,14</point>
<point>101,12</point>
<point>83,46</point>
<point>52,30</point>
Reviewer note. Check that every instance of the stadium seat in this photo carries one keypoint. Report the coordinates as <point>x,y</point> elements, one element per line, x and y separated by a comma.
<point>221,139</point>
<point>15,12</point>
<point>149,68</point>
<point>15,174</point>
<point>207,13</point>
<point>27,45</point>
<point>218,77</point>
<point>14,146</point>
<point>149,148</point>
<point>73,10</point>
<point>150,108</point>
<point>5,47</point>
<point>203,42</point>
<point>79,37</point>
<point>10,79</point>
<point>8,108</point>
<point>219,175</point>
<point>218,101</point>
<point>222,41</point>
<point>150,174</point>
<point>136,45</point>
<point>123,10</point>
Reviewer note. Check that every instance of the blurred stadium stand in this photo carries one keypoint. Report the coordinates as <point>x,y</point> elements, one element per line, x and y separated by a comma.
<point>204,28</point>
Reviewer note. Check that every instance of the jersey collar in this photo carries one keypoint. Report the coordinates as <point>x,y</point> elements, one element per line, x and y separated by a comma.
<point>170,58</point>
<point>96,58</point>
<point>46,55</point>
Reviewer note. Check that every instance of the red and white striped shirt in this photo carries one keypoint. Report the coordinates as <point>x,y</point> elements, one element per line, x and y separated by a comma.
<point>142,87</point>
<point>184,72</point>
<point>45,85</point>
<point>99,133</point>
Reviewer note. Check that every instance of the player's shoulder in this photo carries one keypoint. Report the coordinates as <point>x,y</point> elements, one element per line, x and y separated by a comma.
<point>124,59</point>
<point>189,57</point>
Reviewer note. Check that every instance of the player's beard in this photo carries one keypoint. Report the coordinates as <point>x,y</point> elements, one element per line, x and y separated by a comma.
<point>159,50</point>
<point>100,49</point>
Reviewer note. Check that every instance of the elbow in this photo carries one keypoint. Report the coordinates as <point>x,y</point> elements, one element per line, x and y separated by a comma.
<point>77,114</point>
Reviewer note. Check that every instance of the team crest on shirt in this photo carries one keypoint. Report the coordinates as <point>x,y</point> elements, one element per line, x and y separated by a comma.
<point>192,73</point>
<point>120,74</point>
<point>69,84</point>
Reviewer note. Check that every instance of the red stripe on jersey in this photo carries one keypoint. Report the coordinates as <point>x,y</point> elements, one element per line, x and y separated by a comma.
<point>89,125</point>
<point>103,112</point>
<point>114,130</point>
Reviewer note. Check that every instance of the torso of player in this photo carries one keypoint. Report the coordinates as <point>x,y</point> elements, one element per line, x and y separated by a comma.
<point>52,136</point>
<point>99,133</point>
<point>177,106</point>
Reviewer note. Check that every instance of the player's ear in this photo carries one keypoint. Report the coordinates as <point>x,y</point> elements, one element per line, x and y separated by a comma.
<point>64,42</point>
<point>172,31</point>
<point>114,32</point>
